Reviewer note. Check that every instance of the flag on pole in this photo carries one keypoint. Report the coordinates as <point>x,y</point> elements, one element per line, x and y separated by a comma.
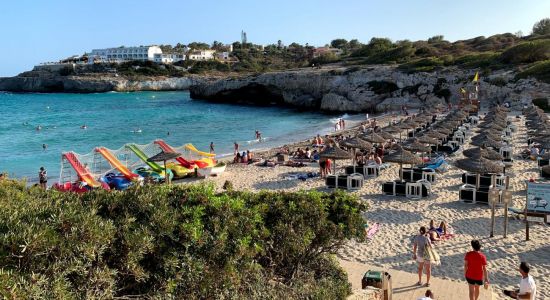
<point>463,90</point>
<point>476,77</point>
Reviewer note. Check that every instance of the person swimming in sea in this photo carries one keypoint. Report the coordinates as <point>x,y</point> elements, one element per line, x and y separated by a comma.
<point>84,127</point>
<point>44,147</point>
<point>38,128</point>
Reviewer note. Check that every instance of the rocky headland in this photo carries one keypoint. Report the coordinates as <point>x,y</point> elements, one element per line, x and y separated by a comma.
<point>375,88</point>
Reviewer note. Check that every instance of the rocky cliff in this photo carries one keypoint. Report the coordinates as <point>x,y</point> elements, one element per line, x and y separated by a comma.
<point>364,89</point>
<point>93,84</point>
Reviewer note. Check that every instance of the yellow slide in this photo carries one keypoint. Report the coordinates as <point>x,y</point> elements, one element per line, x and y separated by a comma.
<point>190,147</point>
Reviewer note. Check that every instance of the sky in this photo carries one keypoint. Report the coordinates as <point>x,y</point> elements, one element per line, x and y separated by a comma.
<point>35,31</point>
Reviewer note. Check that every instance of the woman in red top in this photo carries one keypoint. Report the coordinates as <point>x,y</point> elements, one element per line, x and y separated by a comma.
<point>475,270</point>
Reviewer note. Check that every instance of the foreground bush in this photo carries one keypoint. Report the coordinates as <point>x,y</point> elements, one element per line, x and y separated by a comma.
<point>173,242</point>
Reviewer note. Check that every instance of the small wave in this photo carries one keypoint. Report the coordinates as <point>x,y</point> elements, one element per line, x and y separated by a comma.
<point>256,141</point>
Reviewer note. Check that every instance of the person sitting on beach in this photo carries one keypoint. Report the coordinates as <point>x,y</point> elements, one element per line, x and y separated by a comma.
<point>437,232</point>
<point>244,158</point>
<point>527,286</point>
<point>237,158</point>
<point>534,152</point>
<point>249,155</point>
<point>307,153</point>
<point>315,155</point>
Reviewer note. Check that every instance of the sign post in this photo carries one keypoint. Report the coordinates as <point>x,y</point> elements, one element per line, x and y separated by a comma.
<point>493,198</point>
<point>507,199</point>
<point>538,202</point>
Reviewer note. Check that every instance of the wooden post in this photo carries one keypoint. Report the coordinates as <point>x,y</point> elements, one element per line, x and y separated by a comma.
<point>507,198</point>
<point>525,213</point>
<point>493,196</point>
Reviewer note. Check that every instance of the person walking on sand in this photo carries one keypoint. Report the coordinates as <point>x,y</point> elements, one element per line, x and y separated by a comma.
<point>236,148</point>
<point>43,177</point>
<point>527,286</point>
<point>421,241</point>
<point>475,270</point>
<point>211,147</point>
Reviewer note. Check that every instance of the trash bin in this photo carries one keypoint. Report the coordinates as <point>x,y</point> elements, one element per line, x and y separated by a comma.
<point>378,279</point>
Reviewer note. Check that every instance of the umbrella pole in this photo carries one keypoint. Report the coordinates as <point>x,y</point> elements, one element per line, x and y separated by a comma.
<point>166,175</point>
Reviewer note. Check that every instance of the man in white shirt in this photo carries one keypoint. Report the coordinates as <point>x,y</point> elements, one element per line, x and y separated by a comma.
<point>527,286</point>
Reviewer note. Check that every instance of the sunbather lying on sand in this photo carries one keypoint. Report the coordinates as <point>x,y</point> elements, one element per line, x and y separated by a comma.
<point>438,233</point>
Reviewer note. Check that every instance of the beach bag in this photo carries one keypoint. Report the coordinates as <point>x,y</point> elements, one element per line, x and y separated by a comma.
<point>432,255</point>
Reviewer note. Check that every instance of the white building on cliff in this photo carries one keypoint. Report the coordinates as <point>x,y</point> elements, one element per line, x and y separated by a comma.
<point>122,54</point>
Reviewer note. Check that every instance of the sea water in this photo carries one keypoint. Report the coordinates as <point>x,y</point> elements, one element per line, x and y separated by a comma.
<point>114,119</point>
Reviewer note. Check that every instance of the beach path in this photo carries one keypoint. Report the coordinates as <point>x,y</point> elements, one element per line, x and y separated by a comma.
<point>404,287</point>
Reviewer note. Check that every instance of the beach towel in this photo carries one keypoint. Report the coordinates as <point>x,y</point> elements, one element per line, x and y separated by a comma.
<point>302,176</point>
<point>372,230</point>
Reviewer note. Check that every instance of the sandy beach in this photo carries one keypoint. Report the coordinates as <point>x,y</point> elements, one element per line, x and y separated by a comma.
<point>400,219</point>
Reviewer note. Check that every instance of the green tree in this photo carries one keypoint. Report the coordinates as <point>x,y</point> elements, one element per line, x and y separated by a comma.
<point>542,27</point>
<point>436,39</point>
<point>339,43</point>
<point>199,46</point>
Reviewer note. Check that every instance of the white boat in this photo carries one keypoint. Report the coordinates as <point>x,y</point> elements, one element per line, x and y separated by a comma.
<point>211,171</point>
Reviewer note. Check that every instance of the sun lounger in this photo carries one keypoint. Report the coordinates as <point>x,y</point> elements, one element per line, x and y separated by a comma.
<point>416,174</point>
<point>365,170</point>
<point>345,181</point>
<point>399,188</point>
<point>470,194</point>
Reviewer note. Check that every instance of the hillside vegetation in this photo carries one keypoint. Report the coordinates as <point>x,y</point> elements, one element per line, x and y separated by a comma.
<point>178,242</point>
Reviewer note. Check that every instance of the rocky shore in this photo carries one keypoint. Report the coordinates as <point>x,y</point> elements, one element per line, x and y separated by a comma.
<point>92,84</point>
<point>330,89</point>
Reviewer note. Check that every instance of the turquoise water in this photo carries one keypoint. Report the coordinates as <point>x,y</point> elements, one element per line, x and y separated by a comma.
<point>113,119</point>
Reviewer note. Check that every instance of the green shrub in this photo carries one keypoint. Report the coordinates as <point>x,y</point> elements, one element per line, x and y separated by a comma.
<point>200,67</point>
<point>422,65</point>
<point>479,60</point>
<point>173,242</point>
<point>539,70</point>
<point>527,52</point>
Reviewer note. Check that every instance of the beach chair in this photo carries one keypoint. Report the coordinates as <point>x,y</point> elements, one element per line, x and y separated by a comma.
<point>402,188</point>
<point>370,170</point>
<point>344,181</point>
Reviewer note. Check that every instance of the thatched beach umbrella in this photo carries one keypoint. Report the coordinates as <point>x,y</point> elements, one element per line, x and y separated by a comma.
<point>485,135</point>
<point>483,152</point>
<point>356,143</point>
<point>334,153</point>
<point>373,138</point>
<point>479,165</point>
<point>386,135</point>
<point>486,141</point>
<point>164,156</point>
<point>402,156</point>
<point>426,139</point>
<point>445,131</point>
<point>435,134</point>
<point>416,146</point>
